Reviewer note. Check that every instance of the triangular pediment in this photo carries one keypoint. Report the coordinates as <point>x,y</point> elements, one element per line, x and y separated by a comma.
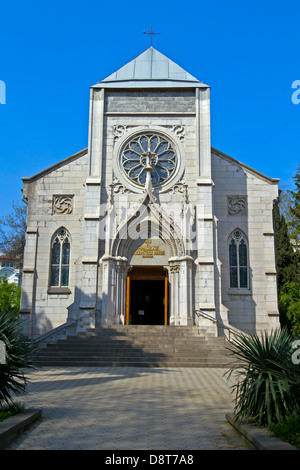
<point>152,68</point>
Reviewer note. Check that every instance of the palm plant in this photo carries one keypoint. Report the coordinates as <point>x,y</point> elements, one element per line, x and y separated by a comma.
<point>18,357</point>
<point>268,381</point>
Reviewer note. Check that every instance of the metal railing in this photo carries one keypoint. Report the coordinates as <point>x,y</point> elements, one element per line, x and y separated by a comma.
<point>229,329</point>
<point>64,327</point>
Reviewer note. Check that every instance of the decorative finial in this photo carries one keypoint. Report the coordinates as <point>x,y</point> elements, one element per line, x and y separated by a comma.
<point>151,33</point>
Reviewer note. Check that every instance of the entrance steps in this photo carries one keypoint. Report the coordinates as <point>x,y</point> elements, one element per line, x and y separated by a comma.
<point>137,346</point>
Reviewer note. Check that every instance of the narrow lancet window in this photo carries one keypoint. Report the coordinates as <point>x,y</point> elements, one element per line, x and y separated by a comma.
<point>60,259</point>
<point>238,261</point>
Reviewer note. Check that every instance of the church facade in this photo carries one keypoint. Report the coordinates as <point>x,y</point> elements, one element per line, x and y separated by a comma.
<point>150,224</point>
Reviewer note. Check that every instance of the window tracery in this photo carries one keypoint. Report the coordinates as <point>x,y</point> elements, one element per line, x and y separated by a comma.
<point>60,259</point>
<point>238,260</point>
<point>145,149</point>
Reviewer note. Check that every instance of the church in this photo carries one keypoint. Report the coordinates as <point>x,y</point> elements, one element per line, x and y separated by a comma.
<point>149,224</point>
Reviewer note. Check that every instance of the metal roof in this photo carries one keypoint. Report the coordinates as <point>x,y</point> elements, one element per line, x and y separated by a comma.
<point>150,69</point>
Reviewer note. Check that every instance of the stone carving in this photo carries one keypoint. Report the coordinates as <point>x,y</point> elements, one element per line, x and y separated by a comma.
<point>237,205</point>
<point>117,187</point>
<point>175,269</point>
<point>62,205</point>
<point>178,130</point>
<point>119,131</point>
<point>181,188</point>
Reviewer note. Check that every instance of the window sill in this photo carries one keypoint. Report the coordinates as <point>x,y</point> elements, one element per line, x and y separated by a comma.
<point>239,292</point>
<point>59,290</point>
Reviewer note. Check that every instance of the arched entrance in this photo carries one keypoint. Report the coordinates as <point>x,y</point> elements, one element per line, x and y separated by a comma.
<point>147,296</point>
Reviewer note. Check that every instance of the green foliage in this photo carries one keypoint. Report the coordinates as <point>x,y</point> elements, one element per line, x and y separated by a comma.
<point>268,381</point>
<point>10,410</point>
<point>12,238</point>
<point>18,357</point>
<point>288,430</point>
<point>10,294</point>
<point>286,260</point>
<point>294,223</point>
<point>289,306</point>
<point>287,263</point>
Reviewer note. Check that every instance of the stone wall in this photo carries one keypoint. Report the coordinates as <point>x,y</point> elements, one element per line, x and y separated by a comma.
<point>163,101</point>
<point>254,308</point>
<point>44,310</point>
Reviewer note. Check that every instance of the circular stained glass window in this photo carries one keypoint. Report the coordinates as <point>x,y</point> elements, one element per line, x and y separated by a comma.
<point>149,149</point>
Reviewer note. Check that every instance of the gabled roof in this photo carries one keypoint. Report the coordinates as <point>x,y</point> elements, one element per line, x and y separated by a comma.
<point>150,69</point>
<point>56,166</point>
<point>245,167</point>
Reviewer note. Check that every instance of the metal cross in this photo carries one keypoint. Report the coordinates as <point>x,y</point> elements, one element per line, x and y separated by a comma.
<point>151,33</point>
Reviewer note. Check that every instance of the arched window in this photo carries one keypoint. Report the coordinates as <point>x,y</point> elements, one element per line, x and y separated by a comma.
<point>238,260</point>
<point>60,259</point>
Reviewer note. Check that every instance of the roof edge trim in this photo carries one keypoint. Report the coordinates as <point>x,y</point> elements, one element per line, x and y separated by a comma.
<point>246,167</point>
<point>57,165</point>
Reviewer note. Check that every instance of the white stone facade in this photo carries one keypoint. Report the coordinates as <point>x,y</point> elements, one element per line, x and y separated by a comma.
<point>117,228</point>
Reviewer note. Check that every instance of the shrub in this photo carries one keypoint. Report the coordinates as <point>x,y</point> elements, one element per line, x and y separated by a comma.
<point>10,410</point>
<point>18,357</point>
<point>288,430</point>
<point>268,381</point>
<point>289,306</point>
<point>10,294</point>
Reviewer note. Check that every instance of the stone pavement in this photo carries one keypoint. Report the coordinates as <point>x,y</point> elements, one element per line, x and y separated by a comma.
<point>129,408</point>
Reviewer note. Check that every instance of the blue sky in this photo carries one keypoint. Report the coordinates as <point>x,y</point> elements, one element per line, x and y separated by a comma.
<point>51,53</point>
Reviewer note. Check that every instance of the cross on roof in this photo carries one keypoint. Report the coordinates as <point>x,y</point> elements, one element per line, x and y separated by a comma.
<point>151,33</point>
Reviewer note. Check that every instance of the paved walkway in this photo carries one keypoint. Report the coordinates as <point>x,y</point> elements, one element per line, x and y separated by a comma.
<point>129,409</point>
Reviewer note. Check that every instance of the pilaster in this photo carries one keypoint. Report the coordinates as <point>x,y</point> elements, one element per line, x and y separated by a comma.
<point>29,279</point>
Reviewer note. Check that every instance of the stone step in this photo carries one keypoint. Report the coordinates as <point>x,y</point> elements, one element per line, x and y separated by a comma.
<point>104,354</point>
<point>142,346</point>
<point>130,364</point>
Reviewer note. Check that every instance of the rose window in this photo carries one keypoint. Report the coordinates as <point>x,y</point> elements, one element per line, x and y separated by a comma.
<point>149,149</point>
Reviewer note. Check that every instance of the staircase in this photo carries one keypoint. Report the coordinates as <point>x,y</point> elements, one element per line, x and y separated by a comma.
<point>137,346</point>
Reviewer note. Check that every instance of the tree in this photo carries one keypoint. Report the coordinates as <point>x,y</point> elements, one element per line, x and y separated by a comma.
<point>268,381</point>
<point>286,260</point>
<point>19,356</point>
<point>294,223</point>
<point>10,294</point>
<point>12,241</point>
<point>289,306</point>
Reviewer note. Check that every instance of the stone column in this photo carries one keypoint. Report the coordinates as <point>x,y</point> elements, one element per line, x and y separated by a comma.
<point>95,143</point>
<point>203,133</point>
<point>206,256</point>
<point>174,297</point>
<point>181,290</point>
<point>113,271</point>
<point>121,276</point>
<point>90,229</point>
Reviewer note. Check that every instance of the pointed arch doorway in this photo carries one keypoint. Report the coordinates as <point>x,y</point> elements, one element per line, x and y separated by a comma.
<point>147,292</point>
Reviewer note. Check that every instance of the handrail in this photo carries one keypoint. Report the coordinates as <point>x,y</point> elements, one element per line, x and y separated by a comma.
<point>231,329</point>
<point>63,326</point>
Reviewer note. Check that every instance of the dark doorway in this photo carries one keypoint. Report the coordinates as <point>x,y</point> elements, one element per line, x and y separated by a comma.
<point>147,302</point>
<point>147,296</point>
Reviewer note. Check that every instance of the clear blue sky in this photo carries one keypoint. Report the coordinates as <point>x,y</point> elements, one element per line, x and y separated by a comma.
<point>52,52</point>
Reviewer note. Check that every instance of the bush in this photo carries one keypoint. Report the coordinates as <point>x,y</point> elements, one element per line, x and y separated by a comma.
<point>268,385</point>
<point>288,430</point>
<point>10,294</point>
<point>289,306</point>
<point>18,357</point>
<point>10,410</point>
